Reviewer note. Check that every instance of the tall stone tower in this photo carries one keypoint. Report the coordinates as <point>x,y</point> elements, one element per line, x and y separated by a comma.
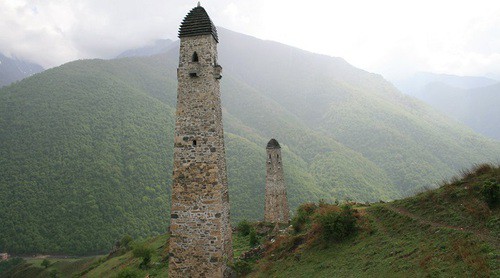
<point>276,208</point>
<point>200,242</point>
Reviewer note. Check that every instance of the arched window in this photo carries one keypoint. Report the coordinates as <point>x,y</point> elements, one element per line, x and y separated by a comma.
<point>194,142</point>
<point>195,57</point>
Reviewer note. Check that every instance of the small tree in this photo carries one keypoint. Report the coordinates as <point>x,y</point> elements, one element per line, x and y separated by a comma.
<point>54,273</point>
<point>244,228</point>
<point>125,241</point>
<point>253,238</point>
<point>141,251</point>
<point>45,263</point>
<point>129,273</point>
<point>337,225</point>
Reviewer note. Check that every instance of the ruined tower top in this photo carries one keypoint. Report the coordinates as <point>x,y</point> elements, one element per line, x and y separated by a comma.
<point>276,205</point>
<point>273,144</point>
<point>196,23</point>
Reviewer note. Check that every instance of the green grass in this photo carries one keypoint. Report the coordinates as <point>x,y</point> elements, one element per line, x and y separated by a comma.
<point>434,234</point>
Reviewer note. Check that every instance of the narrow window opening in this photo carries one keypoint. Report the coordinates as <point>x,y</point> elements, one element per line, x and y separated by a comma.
<point>194,142</point>
<point>195,57</point>
<point>278,156</point>
<point>269,156</point>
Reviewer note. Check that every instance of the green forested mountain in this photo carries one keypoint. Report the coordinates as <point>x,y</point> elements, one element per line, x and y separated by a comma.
<point>86,148</point>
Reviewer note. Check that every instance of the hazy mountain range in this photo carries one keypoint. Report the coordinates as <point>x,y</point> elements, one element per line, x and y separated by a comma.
<point>86,148</point>
<point>13,69</point>
<point>157,47</point>
<point>472,100</point>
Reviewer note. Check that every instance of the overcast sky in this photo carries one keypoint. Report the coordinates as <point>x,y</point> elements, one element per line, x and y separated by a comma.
<point>391,37</point>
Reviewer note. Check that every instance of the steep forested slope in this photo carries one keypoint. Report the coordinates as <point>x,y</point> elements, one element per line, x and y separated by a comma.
<point>410,142</point>
<point>86,148</point>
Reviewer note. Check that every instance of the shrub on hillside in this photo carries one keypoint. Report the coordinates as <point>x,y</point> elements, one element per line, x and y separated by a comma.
<point>128,273</point>
<point>45,263</point>
<point>242,267</point>
<point>253,238</point>
<point>243,228</point>
<point>336,223</point>
<point>9,264</point>
<point>491,193</point>
<point>303,216</point>
<point>144,252</point>
<point>126,241</point>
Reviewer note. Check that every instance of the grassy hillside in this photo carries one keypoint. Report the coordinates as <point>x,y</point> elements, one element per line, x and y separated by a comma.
<point>86,148</point>
<point>452,231</point>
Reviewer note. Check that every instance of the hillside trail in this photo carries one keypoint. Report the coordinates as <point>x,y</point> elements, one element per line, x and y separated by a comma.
<point>482,235</point>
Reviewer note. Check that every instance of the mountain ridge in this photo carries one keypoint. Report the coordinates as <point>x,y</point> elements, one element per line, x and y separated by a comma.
<point>13,69</point>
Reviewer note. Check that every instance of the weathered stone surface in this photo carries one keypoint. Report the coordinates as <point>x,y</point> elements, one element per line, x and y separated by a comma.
<point>276,207</point>
<point>200,242</point>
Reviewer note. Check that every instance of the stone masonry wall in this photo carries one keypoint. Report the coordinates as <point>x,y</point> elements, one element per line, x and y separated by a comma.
<point>200,242</point>
<point>276,206</point>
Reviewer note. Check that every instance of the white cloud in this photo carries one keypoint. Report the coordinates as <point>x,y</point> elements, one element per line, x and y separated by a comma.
<point>386,36</point>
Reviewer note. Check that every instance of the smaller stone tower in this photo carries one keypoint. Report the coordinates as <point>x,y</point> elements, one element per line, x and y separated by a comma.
<point>276,209</point>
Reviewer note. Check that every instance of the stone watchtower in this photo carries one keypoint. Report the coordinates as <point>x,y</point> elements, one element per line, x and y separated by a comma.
<point>200,242</point>
<point>276,208</point>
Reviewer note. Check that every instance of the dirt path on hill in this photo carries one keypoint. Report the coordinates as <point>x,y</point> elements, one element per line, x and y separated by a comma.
<point>482,235</point>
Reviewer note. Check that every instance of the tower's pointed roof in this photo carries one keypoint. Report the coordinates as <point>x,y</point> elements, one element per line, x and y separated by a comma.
<point>273,144</point>
<point>197,22</point>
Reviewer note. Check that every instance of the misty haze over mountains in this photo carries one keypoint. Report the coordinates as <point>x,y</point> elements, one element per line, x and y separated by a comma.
<point>462,98</point>
<point>471,100</point>
<point>13,69</point>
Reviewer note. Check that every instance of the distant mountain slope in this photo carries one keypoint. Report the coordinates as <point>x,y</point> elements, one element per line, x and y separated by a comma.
<point>471,100</point>
<point>415,84</point>
<point>12,69</point>
<point>412,143</point>
<point>159,46</point>
<point>86,148</point>
<point>477,108</point>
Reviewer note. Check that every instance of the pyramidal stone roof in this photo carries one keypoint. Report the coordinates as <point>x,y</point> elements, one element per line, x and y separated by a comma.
<point>196,23</point>
<point>273,144</point>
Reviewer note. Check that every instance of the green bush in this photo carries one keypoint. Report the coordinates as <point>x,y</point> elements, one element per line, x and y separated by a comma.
<point>337,225</point>
<point>125,242</point>
<point>54,273</point>
<point>253,238</point>
<point>491,193</point>
<point>242,267</point>
<point>302,218</point>
<point>45,263</point>
<point>9,264</point>
<point>244,228</point>
<point>144,252</point>
<point>128,273</point>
